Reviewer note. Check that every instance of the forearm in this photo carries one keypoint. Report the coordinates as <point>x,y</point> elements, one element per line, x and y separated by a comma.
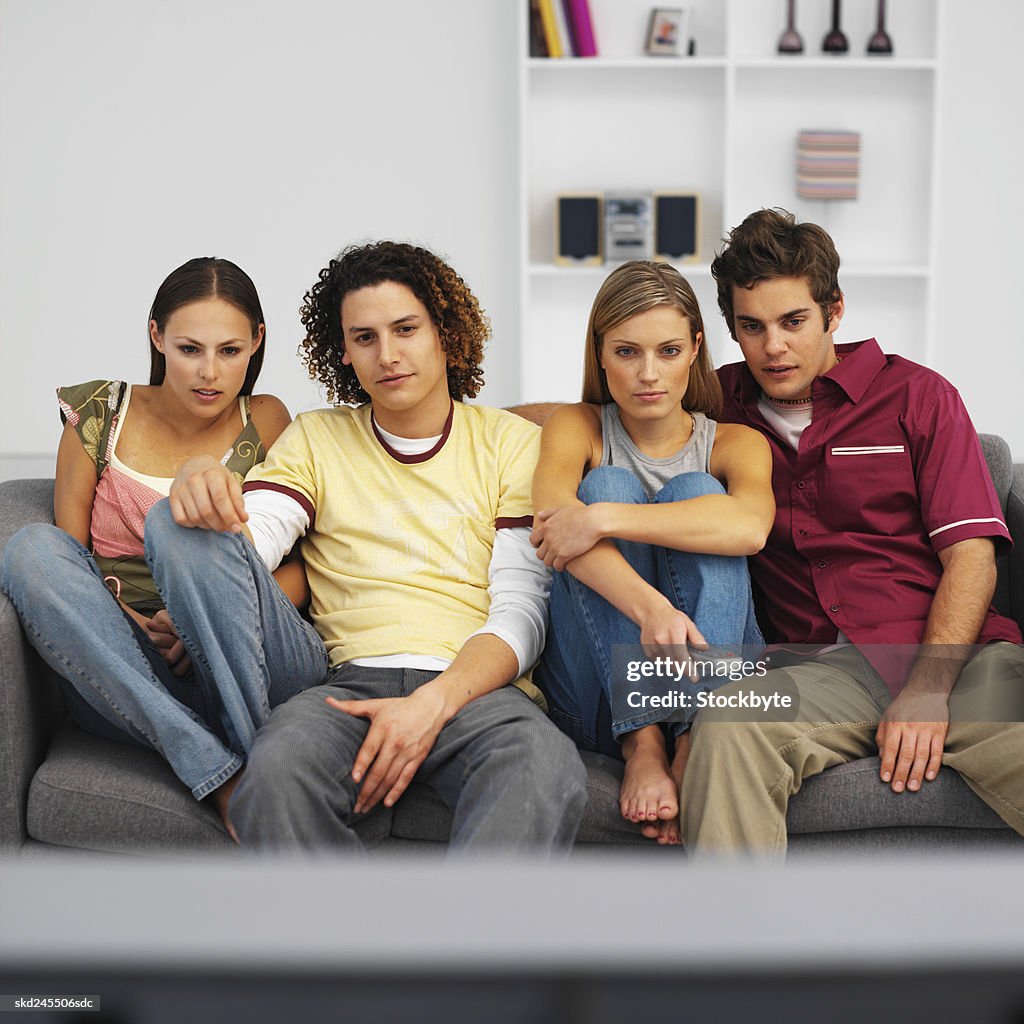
<point>485,664</point>
<point>607,573</point>
<point>713,524</point>
<point>957,614</point>
<point>912,733</point>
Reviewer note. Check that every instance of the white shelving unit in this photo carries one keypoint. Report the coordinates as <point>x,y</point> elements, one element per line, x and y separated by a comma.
<point>724,123</point>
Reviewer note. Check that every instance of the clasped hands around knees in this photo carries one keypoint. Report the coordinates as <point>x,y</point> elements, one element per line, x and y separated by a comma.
<point>562,534</point>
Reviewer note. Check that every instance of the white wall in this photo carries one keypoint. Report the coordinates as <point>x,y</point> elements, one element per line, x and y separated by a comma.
<point>135,134</point>
<point>979,343</point>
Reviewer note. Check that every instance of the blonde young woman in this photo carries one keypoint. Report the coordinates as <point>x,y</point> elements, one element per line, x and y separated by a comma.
<point>646,509</point>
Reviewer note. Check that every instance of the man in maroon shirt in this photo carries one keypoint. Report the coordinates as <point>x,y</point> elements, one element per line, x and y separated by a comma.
<point>881,560</point>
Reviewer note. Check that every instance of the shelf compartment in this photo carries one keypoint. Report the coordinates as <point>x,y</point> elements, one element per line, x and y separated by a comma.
<point>755,27</point>
<point>608,132</point>
<point>889,223</point>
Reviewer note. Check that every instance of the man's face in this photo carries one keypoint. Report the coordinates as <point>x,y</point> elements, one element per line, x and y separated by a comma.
<point>395,350</point>
<point>780,331</point>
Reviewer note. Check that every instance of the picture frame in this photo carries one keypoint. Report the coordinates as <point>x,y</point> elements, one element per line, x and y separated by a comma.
<point>667,34</point>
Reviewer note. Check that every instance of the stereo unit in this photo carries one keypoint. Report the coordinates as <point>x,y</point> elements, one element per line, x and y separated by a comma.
<point>628,226</point>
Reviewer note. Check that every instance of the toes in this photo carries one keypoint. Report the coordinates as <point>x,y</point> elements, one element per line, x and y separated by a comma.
<point>668,833</point>
<point>668,811</point>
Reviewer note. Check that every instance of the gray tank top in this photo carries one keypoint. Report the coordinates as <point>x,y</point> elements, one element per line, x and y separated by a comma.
<point>617,449</point>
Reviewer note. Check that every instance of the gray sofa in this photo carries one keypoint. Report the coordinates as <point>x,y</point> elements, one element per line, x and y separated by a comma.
<point>62,788</point>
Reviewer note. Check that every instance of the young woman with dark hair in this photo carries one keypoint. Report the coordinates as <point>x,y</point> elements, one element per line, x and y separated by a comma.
<point>89,590</point>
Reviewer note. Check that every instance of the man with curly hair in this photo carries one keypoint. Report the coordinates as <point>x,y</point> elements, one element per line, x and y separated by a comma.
<point>412,511</point>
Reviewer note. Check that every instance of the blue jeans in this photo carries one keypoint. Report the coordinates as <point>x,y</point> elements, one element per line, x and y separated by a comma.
<point>576,672</point>
<point>250,648</point>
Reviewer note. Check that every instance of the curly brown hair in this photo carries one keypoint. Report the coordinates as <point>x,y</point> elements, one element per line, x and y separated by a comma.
<point>461,323</point>
<point>771,244</point>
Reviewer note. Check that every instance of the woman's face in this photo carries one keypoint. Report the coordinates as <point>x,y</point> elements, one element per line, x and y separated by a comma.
<point>647,361</point>
<point>207,346</point>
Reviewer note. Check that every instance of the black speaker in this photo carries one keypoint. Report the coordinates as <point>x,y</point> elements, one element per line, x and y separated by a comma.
<point>578,229</point>
<point>677,226</point>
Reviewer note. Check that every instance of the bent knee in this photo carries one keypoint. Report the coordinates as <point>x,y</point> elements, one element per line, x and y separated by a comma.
<point>611,483</point>
<point>689,485</point>
<point>162,535</point>
<point>33,553</point>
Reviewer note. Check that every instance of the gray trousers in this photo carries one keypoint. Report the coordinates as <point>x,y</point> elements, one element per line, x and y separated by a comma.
<point>511,779</point>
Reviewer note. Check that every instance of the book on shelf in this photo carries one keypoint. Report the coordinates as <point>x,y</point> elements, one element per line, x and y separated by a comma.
<point>538,44</point>
<point>550,26</point>
<point>561,28</point>
<point>582,28</point>
<point>562,24</point>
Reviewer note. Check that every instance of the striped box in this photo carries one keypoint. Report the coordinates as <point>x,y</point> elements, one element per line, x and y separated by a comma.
<point>827,164</point>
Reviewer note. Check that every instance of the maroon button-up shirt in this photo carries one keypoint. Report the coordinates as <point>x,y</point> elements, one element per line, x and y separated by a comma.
<point>888,472</point>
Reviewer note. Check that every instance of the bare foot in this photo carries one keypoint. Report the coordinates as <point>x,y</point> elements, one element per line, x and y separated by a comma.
<point>667,832</point>
<point>221,797</point>
<point>649,794</point>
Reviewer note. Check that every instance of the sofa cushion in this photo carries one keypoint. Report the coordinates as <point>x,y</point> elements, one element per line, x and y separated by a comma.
<point>422,814</point>
<point>853,797</point>
<point>116,797</point>
<point>97,794</point>
<point>848,798</point>
<point>913,839</point>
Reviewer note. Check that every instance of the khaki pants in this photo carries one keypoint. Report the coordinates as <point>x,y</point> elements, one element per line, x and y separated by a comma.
<point>741,774</point>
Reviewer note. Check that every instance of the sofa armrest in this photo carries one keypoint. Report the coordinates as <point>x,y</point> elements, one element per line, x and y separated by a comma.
<point>1015,521</point>
<point>31,708</point>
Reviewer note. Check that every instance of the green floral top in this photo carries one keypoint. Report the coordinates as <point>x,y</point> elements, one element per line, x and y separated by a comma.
<point>123,495</point>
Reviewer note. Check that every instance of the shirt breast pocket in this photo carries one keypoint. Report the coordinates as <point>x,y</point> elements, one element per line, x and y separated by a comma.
<point>869,486</point>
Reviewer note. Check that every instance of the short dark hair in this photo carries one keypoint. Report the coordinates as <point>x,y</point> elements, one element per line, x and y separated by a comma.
<point>207,277</point>
<point>452,307</point>
<point>771,244</point>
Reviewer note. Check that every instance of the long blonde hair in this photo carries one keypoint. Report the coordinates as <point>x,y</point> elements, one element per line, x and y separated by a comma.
<point>634,288</point>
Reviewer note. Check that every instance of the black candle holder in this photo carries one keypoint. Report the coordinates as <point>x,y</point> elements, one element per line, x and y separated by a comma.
<point>835,41</point>
<point>790,40</point>
<point>880,43</point>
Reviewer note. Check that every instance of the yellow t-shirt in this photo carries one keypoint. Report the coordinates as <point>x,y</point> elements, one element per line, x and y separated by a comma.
<point>398,549</point>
